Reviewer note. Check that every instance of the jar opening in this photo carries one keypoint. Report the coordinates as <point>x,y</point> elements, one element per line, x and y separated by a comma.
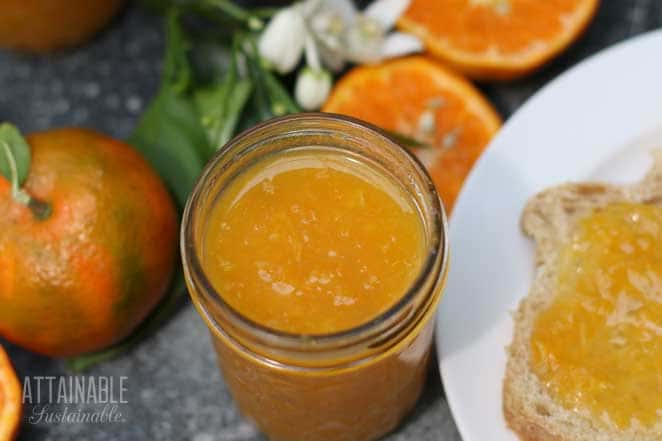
<point>299,131</point>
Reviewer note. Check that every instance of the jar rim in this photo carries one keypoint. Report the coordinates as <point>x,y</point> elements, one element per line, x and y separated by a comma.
<point>437,255</point>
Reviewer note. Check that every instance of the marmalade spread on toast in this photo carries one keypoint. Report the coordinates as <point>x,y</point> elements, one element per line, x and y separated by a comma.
<point>598,345</point>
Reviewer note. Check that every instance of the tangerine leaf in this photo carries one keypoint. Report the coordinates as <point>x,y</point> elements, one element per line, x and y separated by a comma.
<point>169,133</point>
<point>172,139</point>
<point>220,106</point>
<point>14,155</point>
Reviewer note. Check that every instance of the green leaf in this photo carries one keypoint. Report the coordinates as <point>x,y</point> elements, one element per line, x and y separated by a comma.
<point>176,66</point>
<point>209,102</point>
<point>169,133</point>
<point>235,104</point>
<point>14,155</point>
<point>220,106</point>
<point>15,166</point>
<point>231,9</point>
<point>261,103</point>
<point>270,97</point>
<point>170,136</point>
<point>280,98</point>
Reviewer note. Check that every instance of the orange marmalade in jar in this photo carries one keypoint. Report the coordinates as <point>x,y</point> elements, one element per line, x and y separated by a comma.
<point>315,250</point>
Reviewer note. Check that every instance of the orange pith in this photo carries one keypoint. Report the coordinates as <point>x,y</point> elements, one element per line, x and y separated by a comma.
<point>87,275</point>
<point>43,25</point>
<point>418,97</point>
<point>10,399</point>
<point>497,39</point>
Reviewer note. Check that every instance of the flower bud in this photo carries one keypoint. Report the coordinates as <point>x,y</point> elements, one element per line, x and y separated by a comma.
<point>282,41</point>
<point>312,88</point>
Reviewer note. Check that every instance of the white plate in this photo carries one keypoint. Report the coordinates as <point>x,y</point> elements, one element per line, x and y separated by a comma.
<point>599,120</point>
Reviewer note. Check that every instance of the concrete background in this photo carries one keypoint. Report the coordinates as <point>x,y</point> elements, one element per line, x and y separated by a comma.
<point>174,388</point>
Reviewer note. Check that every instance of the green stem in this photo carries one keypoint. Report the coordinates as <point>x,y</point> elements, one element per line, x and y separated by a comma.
<point>263,103</point>
<point>280,102</point>
<point>40,209</point>
<point>264,12</point>
<point>252,21</point>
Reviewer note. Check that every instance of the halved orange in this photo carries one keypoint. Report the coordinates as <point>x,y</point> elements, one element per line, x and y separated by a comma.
<point>418,97</point>
<point>497,39</point>
<point>10,399</point>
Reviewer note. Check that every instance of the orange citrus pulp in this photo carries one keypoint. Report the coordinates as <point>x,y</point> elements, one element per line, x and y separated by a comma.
<point>10,399</point>
<point>497,39</point>
<point>418,97</point>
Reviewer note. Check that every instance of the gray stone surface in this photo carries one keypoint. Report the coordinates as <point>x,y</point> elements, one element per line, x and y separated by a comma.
<point>174,389</point>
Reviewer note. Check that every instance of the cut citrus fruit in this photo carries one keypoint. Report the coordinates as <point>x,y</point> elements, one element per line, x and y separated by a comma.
<point>10,399</point>
<point>418,97</point>
<point>497,39</point>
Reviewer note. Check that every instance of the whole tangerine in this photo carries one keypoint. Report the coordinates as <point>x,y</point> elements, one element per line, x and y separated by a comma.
<point>83,276</point>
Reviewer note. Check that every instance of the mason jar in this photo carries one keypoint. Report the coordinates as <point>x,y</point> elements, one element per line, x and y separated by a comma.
<point>353,385</point>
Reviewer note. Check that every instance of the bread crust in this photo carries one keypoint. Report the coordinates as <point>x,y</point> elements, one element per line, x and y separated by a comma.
<point>549,218</point>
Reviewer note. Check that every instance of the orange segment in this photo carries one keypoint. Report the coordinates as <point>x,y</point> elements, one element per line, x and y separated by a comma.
<point>420,98</point>
<point>10,399</point>
<point>497,39</point>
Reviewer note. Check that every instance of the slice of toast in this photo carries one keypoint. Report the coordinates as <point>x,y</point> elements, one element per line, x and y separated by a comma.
<point>549,218</point>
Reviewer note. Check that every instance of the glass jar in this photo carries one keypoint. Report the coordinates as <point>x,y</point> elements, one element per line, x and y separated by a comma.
<point>354,385</point>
